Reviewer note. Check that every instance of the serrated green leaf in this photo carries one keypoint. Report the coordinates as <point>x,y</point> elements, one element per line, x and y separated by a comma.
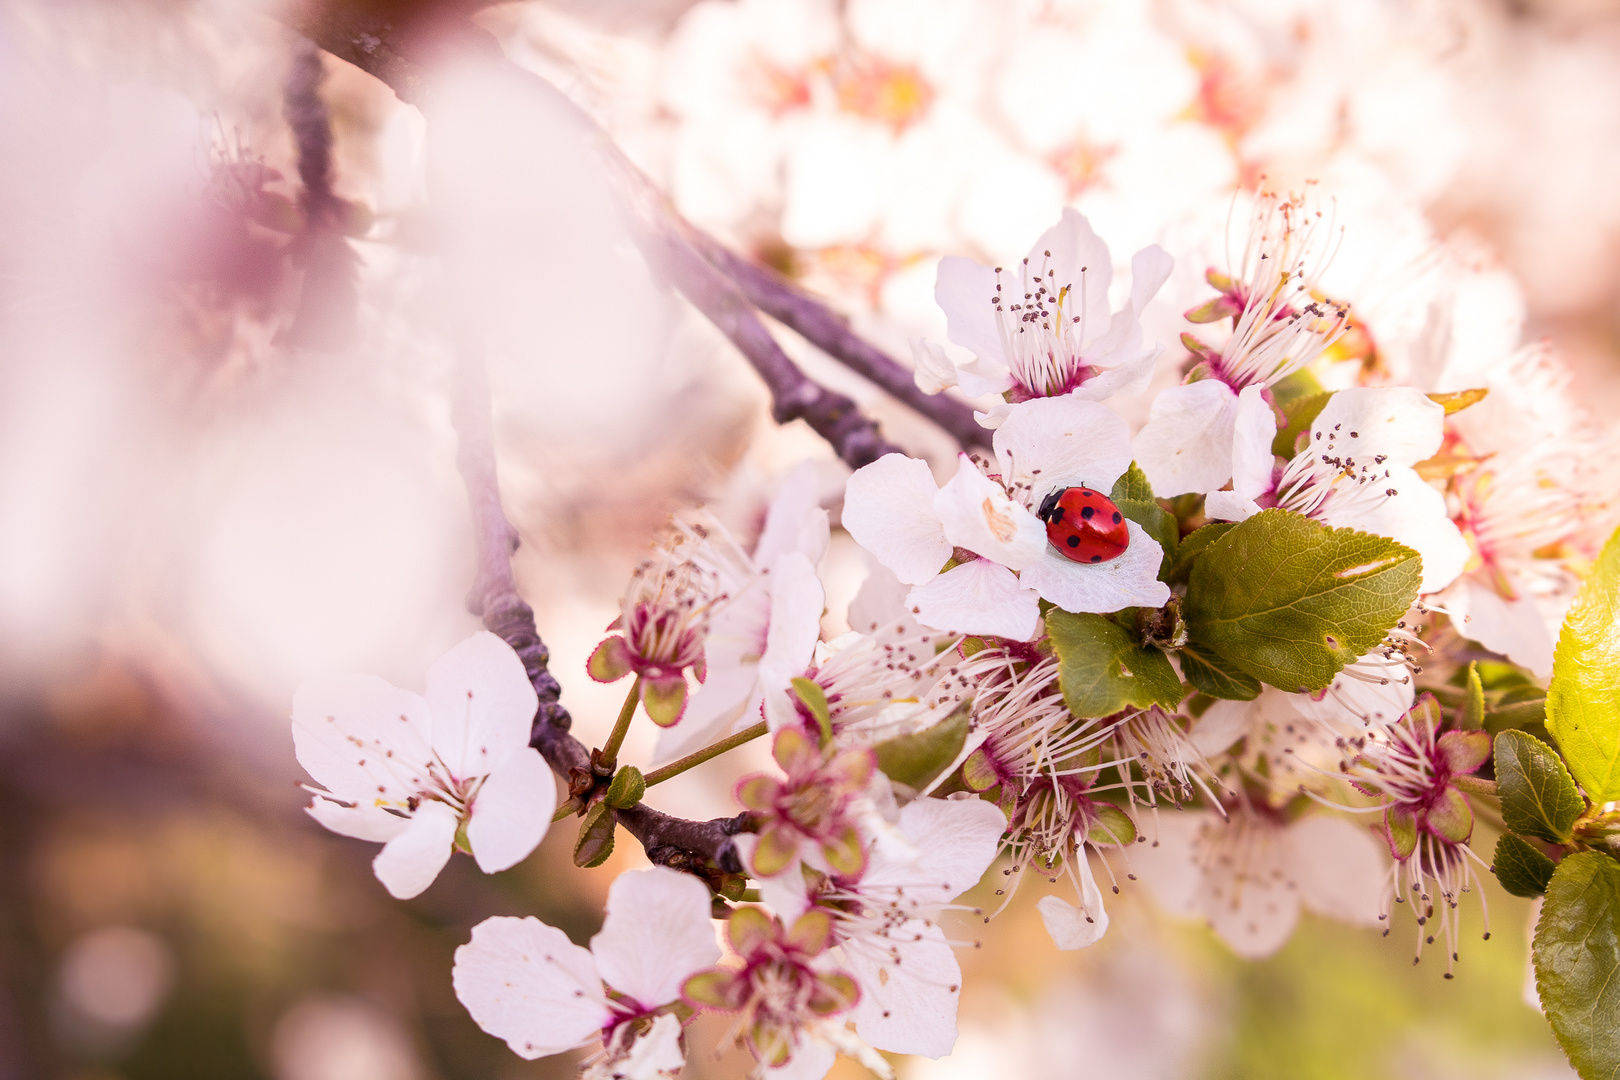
<point>1103,670</point>
<point>1193,545</point>
<point>595,841</point>
<point>1291,601</point>
<point>1538,797</point>
<point>1134,496</point>
<point>1211,675</point>
<point>1577,960</point>
<point>916,759</point>
<point>1301,413</point>
<point>1521,869</point>
<point>627,788</point>
<point>1473,710</point>
<point>1583,702</point>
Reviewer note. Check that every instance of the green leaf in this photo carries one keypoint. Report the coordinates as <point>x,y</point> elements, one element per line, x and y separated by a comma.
<point>1297,387</point>
<point>1583,703</point>
<point>1522,870</point>
<point>1577,959</point>
<point>916,759</point>
<point>1193,545</point>
<point>1103,670</point>
<point>815,699</point>
<point>1110,825</point>
<point>1291,601</point>
<point>1301,413</point>
<point>627,788</point>
<point>595,841</point>
<point>1211,675</point>
<point>1473,711</point>
<point>1538,797</point>
<point>1134,496</point>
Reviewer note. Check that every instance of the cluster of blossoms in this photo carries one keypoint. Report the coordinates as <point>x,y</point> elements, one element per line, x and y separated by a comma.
<point>1191,653</point>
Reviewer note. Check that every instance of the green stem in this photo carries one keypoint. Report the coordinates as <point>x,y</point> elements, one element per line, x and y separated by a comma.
<point>1474,785</point>
<point>713,750</point>
<point>610,750</point>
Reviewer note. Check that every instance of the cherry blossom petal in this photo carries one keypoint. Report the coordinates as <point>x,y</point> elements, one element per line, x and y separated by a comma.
<point>952,842</point>
<point>1048,443</point>
<point>1254,429</point>
<point>797,599</point>
<point>483,705</point>
<point>525,982</point>
<point>979,377</point>
<point>795,521</point>
<point>1128,377</point>
<point>889,510</point>
<point>978,515</point>
<point>1079,260</point>
<point>1186,445</point>
<point>655,1055</point>
<point>409,862</point>
<point>656,934</point>
<point>363,822</point>
<point>1248,894</point>
<point>1076,927</point>
<point>910,987</point>
<point>811,1060</point>
<point>963,289</point>
<point>1150,269</point>
<point>1415,515</point>
<point>713,711</point>
<point>1168,862</point>
<point>512,811</point>
<point>1229,506</point>
<point>1356,703</point>
<point>978,597</point>
<point>932,370</point>
<point>1223,723</point>
<point>362,738</point>
<point>1132,580</point>
<point>1339,867</point>
<point>880,600</point>
<point>1514,628</point>
<point>1395,422</point>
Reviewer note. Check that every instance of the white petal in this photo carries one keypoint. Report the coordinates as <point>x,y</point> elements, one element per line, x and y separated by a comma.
<point>910,986</point>
<point>409,862</point>
<point>1168,863</point>
<point>656,1054</point>
<point>1049,443</point>
<point>797,598</point>
<point>725,698</point>
<point>363,739</point>
<point>932,370</point>
<point>1131,375</point>
<point>795,521</point>
<point>1248,896</point>
<point>512,811</point>
<point>1132,580</point>
<point>978,597</point>
<point>889,510</point>
<point>1253,431</point>
<point>1186,445</point>
<point>811,1060</point>
<point>1513,628</point>
<point>363,822</point>
<point>1150,269</point>
<point>881,599</point>
<point>1229,506</point>
<point>953,843</point>
<point>1397,422</point>
<point>980,377</point>
<point>1079,260</point>
<point>1071,927</point>
<point>964,290</point>
<point>656,934</point>
<point>1354,704</point>
<point>483,705</point>
<point>1415,515</point>
<point>978,515</point>
<point>1223,723</point>
<point>525,982</point>
<point>1339,866</point>
<point>785,893</point>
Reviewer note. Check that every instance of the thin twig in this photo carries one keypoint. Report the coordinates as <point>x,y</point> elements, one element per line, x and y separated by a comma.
<point>698,757</point>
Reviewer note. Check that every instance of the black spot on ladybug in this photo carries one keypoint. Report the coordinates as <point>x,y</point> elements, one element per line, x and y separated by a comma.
<point>1096,558</point>
<point>1087,511</point>
<point>1117,518</point>
<point>1074,541</point>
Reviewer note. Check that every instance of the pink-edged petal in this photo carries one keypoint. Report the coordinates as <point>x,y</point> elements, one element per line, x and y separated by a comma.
<point>1395,422</point>
<point>409,862</point>
<point>483,705</point>
<point>1465,751</point>
<point>363,822</point>
<point>889,510</point>
<point>1075,927</point>
<point>932,370</point>
<point>656,934</point>
<point>1416,515</point>
<point>963,289</point>
<point>1338,867</point>
<point>1253,431</point>
<point>1048,443</point>
<point>1186,445</point>
<point>363,739</point>
<point>1132,580</point>
<point>512,811</point>
<point>910,986</point>
<point>977,514</point>
<point>978,597</point>
<point>525,982</point>
<point>795,520</point>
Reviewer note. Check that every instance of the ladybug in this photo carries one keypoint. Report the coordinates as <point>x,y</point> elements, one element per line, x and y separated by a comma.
<point>1085,525</point>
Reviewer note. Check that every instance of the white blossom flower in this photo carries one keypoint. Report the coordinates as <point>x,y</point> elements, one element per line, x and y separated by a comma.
<point>524,981</point>
<point>426,774</point>
<point>767,631</point>
<point>1044,329</point>
<point>1355,473</point>
<point>1249,873</point>
<point>986,523</point>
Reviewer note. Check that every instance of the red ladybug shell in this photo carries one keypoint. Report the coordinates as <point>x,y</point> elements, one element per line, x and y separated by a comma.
<point>1085,525</point>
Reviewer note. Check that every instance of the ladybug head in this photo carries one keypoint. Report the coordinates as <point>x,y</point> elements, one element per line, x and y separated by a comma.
<point>1049,504</point>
